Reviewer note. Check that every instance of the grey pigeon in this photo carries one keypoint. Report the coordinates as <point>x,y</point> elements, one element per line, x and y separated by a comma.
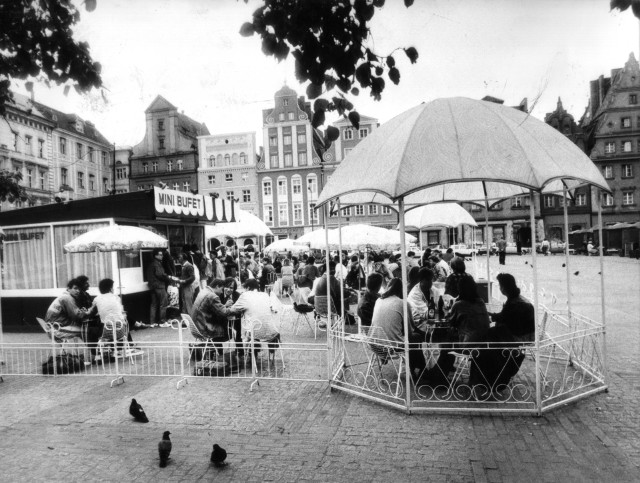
<point>164,449</point>
<point>137,412</point>
<point>576,273</point>
<point>218,455</point>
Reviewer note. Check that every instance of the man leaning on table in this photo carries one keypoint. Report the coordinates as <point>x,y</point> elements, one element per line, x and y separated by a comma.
<point>418,298</point>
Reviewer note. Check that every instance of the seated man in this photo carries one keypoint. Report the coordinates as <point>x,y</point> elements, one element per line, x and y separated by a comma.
<point>209,314</point>
<point>368,300</point>
<point>65,312</point>
<point>108,305</point>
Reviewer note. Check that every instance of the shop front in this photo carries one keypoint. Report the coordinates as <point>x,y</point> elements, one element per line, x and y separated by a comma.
<point>35,268</point>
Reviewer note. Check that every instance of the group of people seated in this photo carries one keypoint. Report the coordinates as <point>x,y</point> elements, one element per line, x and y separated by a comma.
<point>466,324</point>
<point>76,314</point>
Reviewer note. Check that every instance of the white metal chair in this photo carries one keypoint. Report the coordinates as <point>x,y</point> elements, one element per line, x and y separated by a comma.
<point>271,280</point>
<point>278,307</point>
<point>302,310</point>
<point>321,305</point>
<point>199,337</point>
<point>55,332</point>
<point>272,344</point>
<point>116,331</point>
<point>381,352</point>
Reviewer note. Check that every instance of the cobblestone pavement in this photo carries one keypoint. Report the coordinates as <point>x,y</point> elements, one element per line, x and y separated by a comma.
<point>71,429</point>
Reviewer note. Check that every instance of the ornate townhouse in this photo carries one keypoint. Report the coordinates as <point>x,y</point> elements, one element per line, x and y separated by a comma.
<point>26,136</point>
<point>290,175</point>
<point>121,169</point>
<point>228,168</point>
<point>168,152</point>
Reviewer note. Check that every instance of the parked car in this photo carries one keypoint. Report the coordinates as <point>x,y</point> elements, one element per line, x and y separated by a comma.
<point>482,249</point>
<point>463,250</point>
<point>512,248</point>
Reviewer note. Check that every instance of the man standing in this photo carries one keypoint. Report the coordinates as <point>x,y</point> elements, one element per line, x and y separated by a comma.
<point>157,280</point>
<point>187,280</point>
<point>502,250</point>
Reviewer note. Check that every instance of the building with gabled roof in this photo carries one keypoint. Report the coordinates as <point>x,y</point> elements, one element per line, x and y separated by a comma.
<point>168,153</point>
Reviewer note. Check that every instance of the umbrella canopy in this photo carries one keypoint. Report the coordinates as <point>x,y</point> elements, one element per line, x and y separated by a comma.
<point>440,214</point>
<point>285,245</point>
<point>246,224</point>
<point>465,150</point>
<point>315,239</point>
<point>360,236</point>
<point>115,237</point>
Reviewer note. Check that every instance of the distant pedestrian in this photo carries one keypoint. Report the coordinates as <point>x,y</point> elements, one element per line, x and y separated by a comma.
<point>502,250</point>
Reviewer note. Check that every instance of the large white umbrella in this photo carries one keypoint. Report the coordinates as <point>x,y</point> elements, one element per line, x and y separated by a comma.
<point>247,224</point>
<point>315,239</point>
<point>362,236</point>
<point>114,238</point>
<point>440,214</point>
<point>284,245</point>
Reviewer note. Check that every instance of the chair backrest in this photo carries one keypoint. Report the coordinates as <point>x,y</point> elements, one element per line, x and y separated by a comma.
<point>195,332</point>
<point>378,342</point>
<point>320,303</point>
<point>111,323</point>
<point>46,326</point>
<point>272,277</point>
<point>276,304</point>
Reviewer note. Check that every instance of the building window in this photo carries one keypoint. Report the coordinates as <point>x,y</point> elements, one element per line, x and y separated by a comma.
<point>140,187</point>
<point>549,201</point>
<point>302,139</point>
<point>273,160</point>
<point>386,210</point>
<point>246,196</point>
<point>273,140</point>
<point>266,188</point>
<point>296,185</point>
<point>627,197</point>
<point>359,210</point>
<point>290,116</point>
<point>607,199</point>
<point>160,124</point>
<point>363,132</point>
<point>105,185</point>
<point>285,102</point>
<point>28,146</point>
<point>161,142</point>
<point>627,171</point>
<point>41,148</point>
<point>91,154</point>
<point>212,161</point>
<point>609,147</point>
<point>245,176</point>
<point>346,211</point>
<point>145,167</point>
<point>373,209</point>
<point>230,195</point>
<point>297,213</point>
<point>92,182</point>
<point>170,165</point>
<point>154,167</point>
<point>302,158</point>
<point>633,99</point>
<point>243,158</point>
<point>80,180</point>
<point>608,172</point>
<point>626,122</point>
<point>312,186</point>
<point>121,173</point>
<point>42,180</point>
<point>313,214</point>
<point>288,160</point>
<point>516,202</point>
<point>30,177</point>
<point>79,150</point>
<point>104,158</point>
<point>626,146</point>
<point>268,214</point>
<point>63,176</point>
<point>286,139</point>
<point>347,151</point>
<point>581,199</point>
<point>185,186</point>
<point>282,187</point>
<point>347,134</point>
<point>283,214</point>
<point>281,117</point>
<point>176,186</point>
<point>228,177</point>
<point>62,146</point>
<point>212,179</point>
<point>179,164</point>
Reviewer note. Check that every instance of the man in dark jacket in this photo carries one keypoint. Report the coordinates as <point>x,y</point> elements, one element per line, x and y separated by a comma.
<point>368,300</point>
<point>157,280</point>
<point>187,278</point>
<point>209,314</point>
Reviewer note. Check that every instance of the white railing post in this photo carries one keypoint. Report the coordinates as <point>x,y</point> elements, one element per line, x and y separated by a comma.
<point>181,349</point>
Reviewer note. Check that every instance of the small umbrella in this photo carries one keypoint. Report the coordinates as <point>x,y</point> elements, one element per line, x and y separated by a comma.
<point>285,245</point>
<point>315,239</point>
<point>246,224</point>
<point>115,238</point>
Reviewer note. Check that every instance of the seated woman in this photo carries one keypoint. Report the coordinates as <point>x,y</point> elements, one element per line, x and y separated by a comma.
<point>468,314</point>
<point>256,305</point>
<point>287,276</point>
<point>388,315</point>
<point>517,314</point>
<point>459,271</point>
<point>230,293</point>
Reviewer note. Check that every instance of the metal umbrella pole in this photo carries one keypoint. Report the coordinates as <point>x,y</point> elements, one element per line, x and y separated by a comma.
<point>602,294</point>
<point>405,302</point>
<point>534,262</point>
<point>329,328</point>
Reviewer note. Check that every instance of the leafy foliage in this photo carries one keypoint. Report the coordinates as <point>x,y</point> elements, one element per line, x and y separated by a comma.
<point>329,42</point>
<point>622,5</point>
<point>10,187</point>
<point>36,41</point>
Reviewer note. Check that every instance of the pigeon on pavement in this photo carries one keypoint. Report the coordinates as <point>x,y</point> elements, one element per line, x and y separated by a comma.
<point>137,412</point>
<point>564,265</point>
<point>576,273</point>
<point>218,455</point>
<point>164,449</point>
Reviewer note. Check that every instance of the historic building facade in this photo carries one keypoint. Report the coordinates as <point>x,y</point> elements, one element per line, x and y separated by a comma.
<point>168,152</point>
<point>121,169</point>
<point>228,168</point>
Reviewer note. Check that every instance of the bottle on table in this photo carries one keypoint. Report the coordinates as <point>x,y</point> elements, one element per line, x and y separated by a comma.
<point>431,310</point>
<point>441,308</point>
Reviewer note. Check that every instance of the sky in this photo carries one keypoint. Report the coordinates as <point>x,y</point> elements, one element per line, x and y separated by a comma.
<point>190,52</point>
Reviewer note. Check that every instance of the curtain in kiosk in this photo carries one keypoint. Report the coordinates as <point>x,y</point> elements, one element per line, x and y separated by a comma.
<point>94,265</point>
<point>27,262</point>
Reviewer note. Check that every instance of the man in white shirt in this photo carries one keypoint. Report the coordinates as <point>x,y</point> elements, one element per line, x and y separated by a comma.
<point>417,298</point>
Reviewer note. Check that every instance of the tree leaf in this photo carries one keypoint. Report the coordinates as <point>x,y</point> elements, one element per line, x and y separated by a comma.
<point>354,118</point>
<point>412,53</point>
<point>408,3</point>
<point>394,75</point>
<point>90,5</point>
<point>363,74</point>
<point>355,91</point>
<point>391,62</point>
<point>247,29</point>
<point>318,118</point>
<point>320,104</point>
<point>332,133</point>
<point>314,90</point>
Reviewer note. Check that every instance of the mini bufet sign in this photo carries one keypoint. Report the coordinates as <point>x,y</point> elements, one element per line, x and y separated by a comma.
<point>197,206</point>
